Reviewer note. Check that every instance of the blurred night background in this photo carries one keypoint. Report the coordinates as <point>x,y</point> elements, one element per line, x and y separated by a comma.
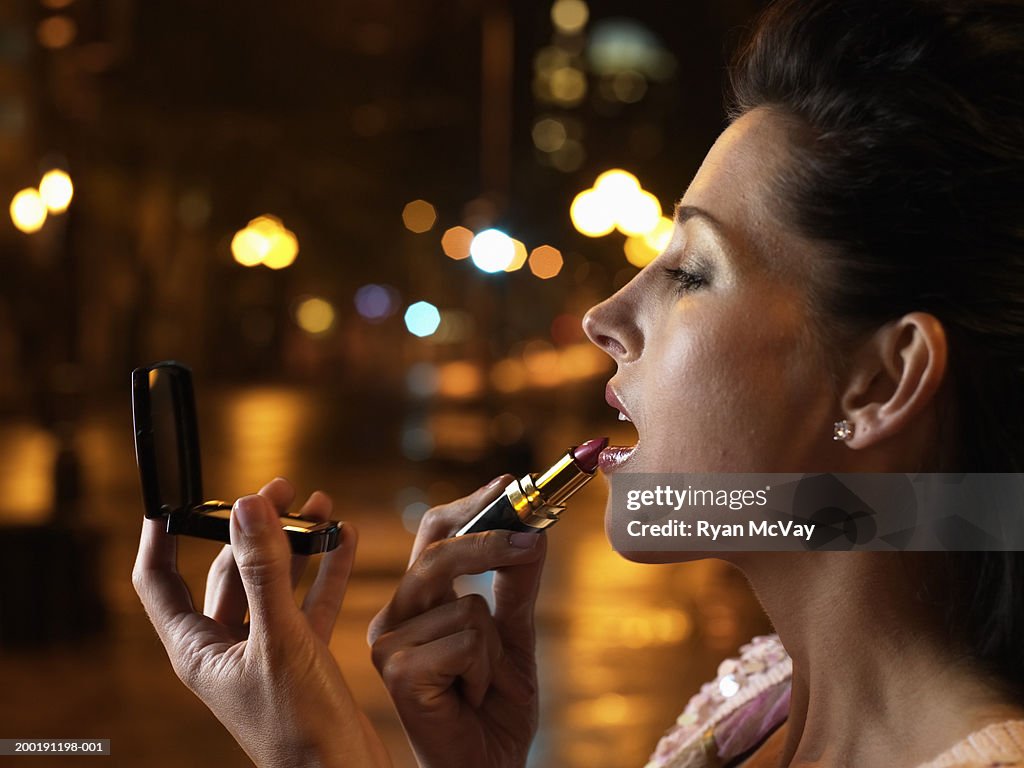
<point>283,196</point>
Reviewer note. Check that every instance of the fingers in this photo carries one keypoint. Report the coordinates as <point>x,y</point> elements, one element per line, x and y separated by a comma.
<point>264,563</point>
<point>163,592</point>
<point>317,507</point>
<point>422,658</point>
<point>443,521</point>
<point>280,493</point>
<point>225,600</point>
<point>325,596</point>
<point>515,596</point>
<point>428,582</point>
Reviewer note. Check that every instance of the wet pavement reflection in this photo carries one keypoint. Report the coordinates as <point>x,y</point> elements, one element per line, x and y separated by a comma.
<point>621,646</point>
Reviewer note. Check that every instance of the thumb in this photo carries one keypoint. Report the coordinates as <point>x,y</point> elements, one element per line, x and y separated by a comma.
<point>264,562</point>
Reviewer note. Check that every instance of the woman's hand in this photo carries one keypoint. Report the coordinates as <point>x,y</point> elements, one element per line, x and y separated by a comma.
<point>272,682</point>
<point>464,681</point>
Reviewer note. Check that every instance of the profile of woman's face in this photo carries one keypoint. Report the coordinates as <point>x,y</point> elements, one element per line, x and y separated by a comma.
<point>720,365</point>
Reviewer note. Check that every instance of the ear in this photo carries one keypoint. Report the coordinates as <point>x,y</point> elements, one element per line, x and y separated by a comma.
<point>896,375</point>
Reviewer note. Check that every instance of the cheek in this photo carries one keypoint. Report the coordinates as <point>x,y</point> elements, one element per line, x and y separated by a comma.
<point>731,387</point>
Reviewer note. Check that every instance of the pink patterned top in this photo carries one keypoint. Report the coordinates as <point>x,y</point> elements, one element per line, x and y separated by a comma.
<point>734,713</point>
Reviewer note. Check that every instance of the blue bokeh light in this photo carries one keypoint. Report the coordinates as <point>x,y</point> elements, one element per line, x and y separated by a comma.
<point>422,318</point>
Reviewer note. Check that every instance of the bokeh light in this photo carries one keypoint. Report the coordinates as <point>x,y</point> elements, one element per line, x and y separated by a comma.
<point>28,211</point>
<point>569,16</point>
<point>549,58</point>
<point>659,237</point>
<point>264,240</point>
<point>492,250</point>
<point>315,315</point>
<point>643,249</point>
<point>592,213</point>
<point>545,261</point>
<point>570,157</point>
<point>459,380</point>
<point>422,380</point>
<point>417,443</point>
<point>56,190</point>
<point>638,252</point>
<point>56,32</point>
<point>542,364</point>
<point>284,248</point>
<point>456,241</point>
<point>623,45</point>
<point>616,201</point>
<point>419,216</point>
<point>638,213</point>
<point>412,514</point>
<point>508,375</point>
<point>376,302</point>
<point>549,134</point>
<point>422,318</point>
<point>249,247</point>
<point>617,183</point>
<point>568,86</point>
<point>628,86</point>
<point>520,257</point>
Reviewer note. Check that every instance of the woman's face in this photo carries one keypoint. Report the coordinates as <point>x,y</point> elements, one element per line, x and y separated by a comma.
<point>720,366</point>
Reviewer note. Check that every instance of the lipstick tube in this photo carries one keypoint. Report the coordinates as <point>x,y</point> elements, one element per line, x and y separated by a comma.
<point>535,501</point>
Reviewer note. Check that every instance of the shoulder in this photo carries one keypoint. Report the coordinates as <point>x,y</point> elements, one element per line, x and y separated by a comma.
<point>999,744</point>
<point>734,712</point>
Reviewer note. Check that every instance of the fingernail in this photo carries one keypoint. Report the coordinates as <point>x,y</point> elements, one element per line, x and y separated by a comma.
<point>522,540</point>
<point>250,515</point>
<point>491,484</point>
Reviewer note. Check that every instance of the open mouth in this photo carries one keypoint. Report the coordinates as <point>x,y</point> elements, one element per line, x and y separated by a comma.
<point>614,457</point>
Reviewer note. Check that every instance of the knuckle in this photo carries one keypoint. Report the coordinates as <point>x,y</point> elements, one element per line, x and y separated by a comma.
<point>431,516</point>
<point>436,521</point>
<point>470,638</point>
<point>380,652</point>
<point>487,542</point>
<point>396,671</point>
<point>139,580</point>
<point>472,607</point>
<point>379,625</point>
<point>375,628</point>
<point>431,555</point>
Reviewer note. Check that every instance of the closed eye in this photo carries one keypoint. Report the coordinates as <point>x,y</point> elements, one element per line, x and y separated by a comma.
<point>688,281</point>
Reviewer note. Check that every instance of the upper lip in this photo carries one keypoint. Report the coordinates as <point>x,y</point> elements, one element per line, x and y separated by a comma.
<point>612,398</point>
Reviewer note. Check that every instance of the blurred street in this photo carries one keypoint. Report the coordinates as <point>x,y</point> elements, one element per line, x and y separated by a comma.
<point>373,231</point>
<point>621,646</point>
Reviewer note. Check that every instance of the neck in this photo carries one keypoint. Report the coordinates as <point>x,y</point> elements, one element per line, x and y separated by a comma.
<point>874,680</point>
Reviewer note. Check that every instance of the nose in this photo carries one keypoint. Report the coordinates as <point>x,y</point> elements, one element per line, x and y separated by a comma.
<point>612,326</point>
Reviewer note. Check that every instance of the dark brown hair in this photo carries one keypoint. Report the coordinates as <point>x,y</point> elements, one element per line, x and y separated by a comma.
<point>908,166</point>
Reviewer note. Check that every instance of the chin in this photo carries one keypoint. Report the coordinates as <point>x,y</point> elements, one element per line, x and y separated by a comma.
<point>662,557</point>
<point>647,556</point>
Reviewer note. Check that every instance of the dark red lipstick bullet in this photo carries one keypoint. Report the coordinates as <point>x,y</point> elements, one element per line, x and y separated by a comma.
<point>535,501</point>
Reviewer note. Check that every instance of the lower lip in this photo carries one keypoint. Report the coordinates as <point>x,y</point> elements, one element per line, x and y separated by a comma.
<point>613,457</point>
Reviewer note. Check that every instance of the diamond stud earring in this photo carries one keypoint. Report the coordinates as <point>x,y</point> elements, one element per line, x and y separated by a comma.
<point>842,430</point>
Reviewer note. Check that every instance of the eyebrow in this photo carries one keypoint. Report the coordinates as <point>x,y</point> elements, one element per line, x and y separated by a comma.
<point>686,212</point>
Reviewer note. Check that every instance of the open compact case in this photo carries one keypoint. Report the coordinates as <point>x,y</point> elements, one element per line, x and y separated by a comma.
<point>167,451</point>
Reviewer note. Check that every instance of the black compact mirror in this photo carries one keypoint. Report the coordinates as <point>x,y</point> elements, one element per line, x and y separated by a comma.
<point>167,451</point>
